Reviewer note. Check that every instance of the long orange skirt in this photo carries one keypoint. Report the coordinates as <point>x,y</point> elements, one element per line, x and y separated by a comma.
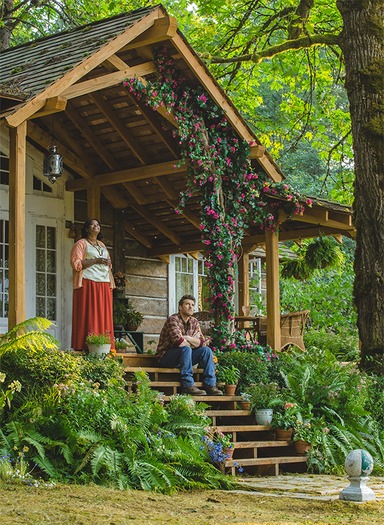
<point>92,311</point>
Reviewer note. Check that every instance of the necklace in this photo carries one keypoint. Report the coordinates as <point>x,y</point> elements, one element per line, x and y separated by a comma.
<point>99,248</point>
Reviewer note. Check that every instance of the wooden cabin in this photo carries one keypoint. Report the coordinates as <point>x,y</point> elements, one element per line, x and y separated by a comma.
<point>120,165</point>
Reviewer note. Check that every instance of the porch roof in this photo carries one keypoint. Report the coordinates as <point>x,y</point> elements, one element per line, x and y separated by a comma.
<point>70,84</point>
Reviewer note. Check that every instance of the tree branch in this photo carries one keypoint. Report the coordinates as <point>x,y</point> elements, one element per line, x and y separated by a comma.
<point>300,43</point>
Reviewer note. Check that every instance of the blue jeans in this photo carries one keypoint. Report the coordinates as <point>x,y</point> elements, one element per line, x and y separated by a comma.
<point>184,357</point>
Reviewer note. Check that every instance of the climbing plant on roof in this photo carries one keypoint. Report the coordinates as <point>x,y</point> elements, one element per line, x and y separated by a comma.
<point>233,196</point>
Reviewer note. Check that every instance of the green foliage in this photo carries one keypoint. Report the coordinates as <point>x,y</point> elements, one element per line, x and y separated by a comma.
<point>98,339</point>
<point>264,395</point>
<point>74,420</point>
<point>228,374</point>
<point>327,294</point>
<point>343,345</point>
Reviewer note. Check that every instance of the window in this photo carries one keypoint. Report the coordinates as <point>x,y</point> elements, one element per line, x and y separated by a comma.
<point>188,276</point>
<point>256,295</point>
<point>40,186</point>
<point>4,169</point>
<point>4,280</point>
<point>46,272</point>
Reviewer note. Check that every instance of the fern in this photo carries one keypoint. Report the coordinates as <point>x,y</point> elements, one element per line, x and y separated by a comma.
<point>28,334</point>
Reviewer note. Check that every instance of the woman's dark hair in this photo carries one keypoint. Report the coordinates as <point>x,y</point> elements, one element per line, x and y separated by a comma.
<point>86,225</point>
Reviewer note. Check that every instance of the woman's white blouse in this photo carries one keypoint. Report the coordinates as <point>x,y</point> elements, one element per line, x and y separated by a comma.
<point>96,272</point>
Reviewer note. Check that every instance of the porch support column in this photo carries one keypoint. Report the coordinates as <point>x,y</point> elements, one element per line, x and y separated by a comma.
<point>273,290</point>
<point>93,198</point>
<point>16,261</point>
<point>243,282</point>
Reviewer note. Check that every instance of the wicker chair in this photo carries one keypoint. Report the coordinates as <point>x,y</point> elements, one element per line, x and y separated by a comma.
<point>206,322</point>
<point>292,327</point>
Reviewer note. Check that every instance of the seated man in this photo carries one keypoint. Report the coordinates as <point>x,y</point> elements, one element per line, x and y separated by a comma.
<point>181,345</point>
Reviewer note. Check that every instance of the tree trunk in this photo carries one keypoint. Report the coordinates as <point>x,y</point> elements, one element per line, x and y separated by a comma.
<point>7,25</point>
<point>363,47</point>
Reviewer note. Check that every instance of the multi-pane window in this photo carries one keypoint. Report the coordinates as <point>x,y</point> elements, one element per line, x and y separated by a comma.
<point>39,185</point>
<point>46,270</point>
<point>190,278</point>
<point>4,169</point>
<point>4,278</point>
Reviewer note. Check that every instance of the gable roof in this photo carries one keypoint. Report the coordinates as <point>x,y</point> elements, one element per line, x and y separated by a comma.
<point>110,140</point>
<point>31,67</point>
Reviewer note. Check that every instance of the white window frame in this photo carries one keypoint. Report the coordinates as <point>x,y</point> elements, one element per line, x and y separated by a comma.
<point>173,300</point>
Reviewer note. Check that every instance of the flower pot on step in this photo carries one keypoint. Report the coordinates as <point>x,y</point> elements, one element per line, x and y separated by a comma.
<point>228,451</point>
<point>99,349</point>
<point>230,390</point>
<point>284,434</point>
<point>264,416</point>
<point>302,447</point>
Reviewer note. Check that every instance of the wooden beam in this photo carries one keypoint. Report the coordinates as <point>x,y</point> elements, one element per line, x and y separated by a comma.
<point>97,146</point>
<point>17,176</point>
<point>165,258</point>
<point>87,65</point>
<point>134,232</point>
<point>163,29</point>
<point>218,95</point>
<point>256,151</point>
<point>130,175</point>
<point>72,160</point>
<point>138,195</point>
<point>191,217</point>
<point>121,129</point>
<point>52,105</point>
<point>115,197</point>
<point>108,80</point>
<point>251,241</point>
<point>194,255</point>
<point>156,222</point>
<point>273,289</point>
<point>184,247</point>
<point>93,204</point>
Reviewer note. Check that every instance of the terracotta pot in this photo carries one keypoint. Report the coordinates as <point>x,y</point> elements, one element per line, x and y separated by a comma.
<point>302,447</point>
<point>230,390</point>
<point>245,405</point>
<point>283,435</point>
<point>228,452</point>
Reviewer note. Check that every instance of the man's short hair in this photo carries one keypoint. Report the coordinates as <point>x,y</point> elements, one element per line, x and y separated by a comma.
<point>187,297</point>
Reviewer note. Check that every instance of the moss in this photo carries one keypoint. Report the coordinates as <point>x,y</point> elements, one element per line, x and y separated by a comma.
<point>373,75</point>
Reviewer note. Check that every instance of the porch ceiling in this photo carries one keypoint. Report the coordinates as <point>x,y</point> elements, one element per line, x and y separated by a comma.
<point>111,140</point>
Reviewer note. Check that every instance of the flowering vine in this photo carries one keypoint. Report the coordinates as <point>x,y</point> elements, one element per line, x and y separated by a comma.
<point>233,197</point>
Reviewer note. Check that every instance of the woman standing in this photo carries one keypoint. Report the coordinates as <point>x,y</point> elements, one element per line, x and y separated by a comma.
<point>92,286</point>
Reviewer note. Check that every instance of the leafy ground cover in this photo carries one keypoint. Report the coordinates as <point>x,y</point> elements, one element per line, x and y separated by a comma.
<point>93,505</point>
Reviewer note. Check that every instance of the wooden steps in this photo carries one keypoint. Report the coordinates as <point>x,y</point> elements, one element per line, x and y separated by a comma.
<point>256,450</point>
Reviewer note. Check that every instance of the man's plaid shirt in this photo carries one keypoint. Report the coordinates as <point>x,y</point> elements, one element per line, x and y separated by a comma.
<point>173,332</point>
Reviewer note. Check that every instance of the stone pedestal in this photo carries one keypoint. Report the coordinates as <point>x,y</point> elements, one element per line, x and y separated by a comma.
<point>357,490</point>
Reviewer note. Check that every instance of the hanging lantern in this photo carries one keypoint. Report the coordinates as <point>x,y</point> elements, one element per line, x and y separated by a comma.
<point>53,164</point>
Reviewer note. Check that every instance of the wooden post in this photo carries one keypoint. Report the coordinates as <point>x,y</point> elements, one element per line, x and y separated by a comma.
<point>243,281</point>
<point>17,171</point>
<point>93,197</point>
<point>273,290</point>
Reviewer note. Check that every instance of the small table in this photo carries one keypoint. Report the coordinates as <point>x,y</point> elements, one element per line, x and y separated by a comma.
<point>136,338</point>
<point>255,326</point>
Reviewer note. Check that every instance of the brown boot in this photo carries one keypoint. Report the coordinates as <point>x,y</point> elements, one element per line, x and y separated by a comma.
<point>193,391</point>
<point>212,390</point>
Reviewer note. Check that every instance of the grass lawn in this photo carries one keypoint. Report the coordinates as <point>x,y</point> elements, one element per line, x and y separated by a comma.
<point>93,505</point>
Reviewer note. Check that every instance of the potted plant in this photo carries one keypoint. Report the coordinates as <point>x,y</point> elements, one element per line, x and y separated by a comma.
<point>263,398</point>
<point>283,420</point>
<point>229,375</point>
<point>245,401</point>
<point>99,344</point>
<point>323,252</point>
<point>307,433</point>
<point>125,317</point>
<point>120,282</point>
<point>220,446</point>
<point>121,344</point>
